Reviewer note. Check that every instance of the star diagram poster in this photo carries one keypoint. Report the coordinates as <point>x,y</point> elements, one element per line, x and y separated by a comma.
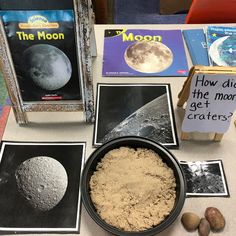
<point>221,43</point>
<point>144,53</point>
<point>43,49</point>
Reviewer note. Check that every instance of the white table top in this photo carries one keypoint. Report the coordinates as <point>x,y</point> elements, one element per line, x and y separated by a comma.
<point>70,127</point>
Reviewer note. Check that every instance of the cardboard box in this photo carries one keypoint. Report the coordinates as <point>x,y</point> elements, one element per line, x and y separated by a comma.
<point>169,7</point>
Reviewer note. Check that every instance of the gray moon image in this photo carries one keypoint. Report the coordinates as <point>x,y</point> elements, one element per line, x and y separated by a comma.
<point>151,121</point>
<point>42,181</point>
<point>47,66</point>
<point>148,56</point>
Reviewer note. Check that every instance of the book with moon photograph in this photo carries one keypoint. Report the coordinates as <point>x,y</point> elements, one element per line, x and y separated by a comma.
<point>221,42</point>
<point>43,50</point>
<point>139,52</point>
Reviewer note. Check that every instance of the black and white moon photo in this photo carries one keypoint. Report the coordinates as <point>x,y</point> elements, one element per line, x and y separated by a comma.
<point>135,109</point>
<point>39,187</point>
<point>205,178</point>
<point>47,66</point>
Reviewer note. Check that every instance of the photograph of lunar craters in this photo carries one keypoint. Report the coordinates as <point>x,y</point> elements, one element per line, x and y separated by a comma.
<point>148,56</point>
<point>135,109</point>
<point>205,178</point>
<point>39,187</point>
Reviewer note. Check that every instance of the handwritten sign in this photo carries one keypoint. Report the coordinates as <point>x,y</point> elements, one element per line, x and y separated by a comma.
<point>211,103</point>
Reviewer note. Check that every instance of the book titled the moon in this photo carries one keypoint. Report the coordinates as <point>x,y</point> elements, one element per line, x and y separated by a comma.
<point>144,53</point>
<point>42,45</point>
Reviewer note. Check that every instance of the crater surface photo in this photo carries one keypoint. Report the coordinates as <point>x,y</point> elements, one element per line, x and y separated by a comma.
<point>42,181</point>
<point>143,110</point>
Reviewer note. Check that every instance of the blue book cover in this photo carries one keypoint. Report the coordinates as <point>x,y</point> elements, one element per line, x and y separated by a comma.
<point>142,52</point>
<point>196,42</point>
<point>221,42</point>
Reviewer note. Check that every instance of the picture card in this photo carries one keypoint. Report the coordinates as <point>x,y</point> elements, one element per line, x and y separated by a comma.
<point>144,110</point>
<point>205,178</point>
<point>143,52</point>
<point>40,187</point>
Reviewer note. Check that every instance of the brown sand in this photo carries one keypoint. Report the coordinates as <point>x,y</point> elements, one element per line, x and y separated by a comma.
<point>133,190</point>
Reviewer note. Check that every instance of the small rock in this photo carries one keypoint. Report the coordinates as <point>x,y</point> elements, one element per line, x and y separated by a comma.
<point>215,219</point>
<point>190,221</point>
<point>204,228</point>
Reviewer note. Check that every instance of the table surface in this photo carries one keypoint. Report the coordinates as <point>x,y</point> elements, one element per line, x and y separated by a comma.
<point>71,127</point>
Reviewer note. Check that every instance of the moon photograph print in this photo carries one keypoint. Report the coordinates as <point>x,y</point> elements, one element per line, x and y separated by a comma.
<point>47,66</point>
<point>135,109</point>
<point>148,56</point>
<point>42,181</point>
<point>40,187</point>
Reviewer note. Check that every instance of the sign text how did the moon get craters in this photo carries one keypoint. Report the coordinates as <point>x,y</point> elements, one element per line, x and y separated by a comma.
<point>211,103</point>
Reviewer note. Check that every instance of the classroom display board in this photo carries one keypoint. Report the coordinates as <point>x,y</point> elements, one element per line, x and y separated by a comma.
<point>46,57</point>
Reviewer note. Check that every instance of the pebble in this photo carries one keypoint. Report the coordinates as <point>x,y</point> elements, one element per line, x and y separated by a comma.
<point>190,221</point>
<point>215,218</point>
